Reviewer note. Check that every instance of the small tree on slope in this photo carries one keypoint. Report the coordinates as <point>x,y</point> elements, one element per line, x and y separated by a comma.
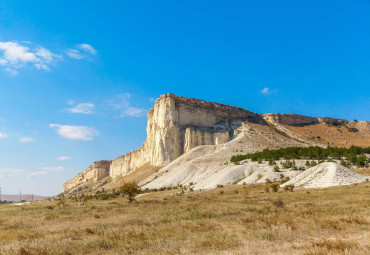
<point>131,189</point>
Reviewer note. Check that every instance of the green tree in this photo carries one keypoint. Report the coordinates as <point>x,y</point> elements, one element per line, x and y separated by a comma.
<point>274,187</point>
<point>131,189</point>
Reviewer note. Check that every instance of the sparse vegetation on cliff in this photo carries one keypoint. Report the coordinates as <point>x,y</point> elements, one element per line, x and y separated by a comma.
<point>353,154</point>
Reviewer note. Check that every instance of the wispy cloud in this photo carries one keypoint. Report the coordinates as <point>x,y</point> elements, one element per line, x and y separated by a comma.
<point>88,48</point>
<point>38,173</point>
<point>47,55</point>
<point>11,172</point>
<point>73,53</point>
<point>75,132</point>
<point>132,112</point>
<point>63,158</point>
<point>122,104</point>
<point>54,168</point>
<point>81,51</point>
<point>3,135</point>
<point>26,139</point>
<point>15,56</point>
<point>84,108</point>
<point>266,91</point>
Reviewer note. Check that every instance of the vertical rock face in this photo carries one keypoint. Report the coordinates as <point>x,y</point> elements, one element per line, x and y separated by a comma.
<point>100,169</point>
<point>97,171</point>
<point>175,125</point>
<point>178,124</point>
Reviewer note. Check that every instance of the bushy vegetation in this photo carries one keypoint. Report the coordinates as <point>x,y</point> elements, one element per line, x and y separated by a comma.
<point>352,129</point>
<point>275,187</point>
<point>335,123</point>
<point>131,189</point>
<point>354,154</point>
<point>289,187</point>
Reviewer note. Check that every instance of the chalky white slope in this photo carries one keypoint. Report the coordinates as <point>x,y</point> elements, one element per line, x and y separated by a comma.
<point>327,174</point>
<point>206,166</point>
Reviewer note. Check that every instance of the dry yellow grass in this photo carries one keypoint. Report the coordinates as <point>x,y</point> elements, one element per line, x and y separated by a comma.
<point>230,220</point>
<point>335,136</point>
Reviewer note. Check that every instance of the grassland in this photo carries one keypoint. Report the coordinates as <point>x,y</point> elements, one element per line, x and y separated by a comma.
<point>228,220</point>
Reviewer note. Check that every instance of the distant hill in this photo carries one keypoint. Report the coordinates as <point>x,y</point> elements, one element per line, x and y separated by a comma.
<point>26,197</point>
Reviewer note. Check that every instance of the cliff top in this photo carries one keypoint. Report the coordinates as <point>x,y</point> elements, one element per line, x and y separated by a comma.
<point>205,104</point>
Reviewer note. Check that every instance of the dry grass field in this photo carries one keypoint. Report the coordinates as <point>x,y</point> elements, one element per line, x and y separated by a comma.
<point>227,220</point>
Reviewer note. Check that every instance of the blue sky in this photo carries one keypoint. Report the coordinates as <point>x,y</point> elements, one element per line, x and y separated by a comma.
<point>78,77</point>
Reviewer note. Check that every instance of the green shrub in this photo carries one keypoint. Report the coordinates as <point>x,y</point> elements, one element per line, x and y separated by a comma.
<point>274,187</point>
<point>289,187</point>
<point>272,162</point>
<point>287,164</point>
<point>285,179</point>
<point>131,189</point>
<point>355,130</point>
<point>276,169</point>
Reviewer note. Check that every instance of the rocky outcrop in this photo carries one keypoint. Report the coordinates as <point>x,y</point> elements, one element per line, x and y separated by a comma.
<point>299,120</point>
<point>97,171</point>
<point>176,125</point>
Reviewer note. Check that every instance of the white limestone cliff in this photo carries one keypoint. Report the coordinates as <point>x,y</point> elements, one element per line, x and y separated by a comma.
<point>176,125</point>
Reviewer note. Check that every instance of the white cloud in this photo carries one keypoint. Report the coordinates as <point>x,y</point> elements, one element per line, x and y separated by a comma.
<point>133,112</point>
<point>46,54</point>
<point>70,102</point>
<point>27,139</point>
<point>11,71</point>
<point>122,104</point>
<point>62,158</point>
<point>75,132</point>
<point>266,91</point>
<point>10,170</point>
<point>56,168</point>
<point>39,173</point>
<point>15,56</point>
<point>88,48</point>
<point>16,53</point>
<point>3,62</point>
<point>42,67</point>
<point>83,51</point>
<point>84,108</point>
<point>3,135</point>
<point>73,53</point>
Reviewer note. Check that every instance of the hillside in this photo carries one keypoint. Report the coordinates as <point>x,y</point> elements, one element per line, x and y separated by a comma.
<point>191,141</point>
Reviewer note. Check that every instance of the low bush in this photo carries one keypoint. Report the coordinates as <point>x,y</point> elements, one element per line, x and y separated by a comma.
<point>274,187</point>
